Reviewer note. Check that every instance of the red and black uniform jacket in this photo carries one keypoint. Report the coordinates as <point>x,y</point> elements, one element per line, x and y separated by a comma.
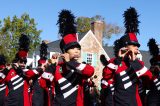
<point>38,92</point>
<point>126,76</point>
<point>48,87</point>
<point>107,85</point>
<point>68,83</point>
<point>17,83</point>
<point>153,96</point>
<point>3,91</point>
<point>43,88</point>
<point>88,85</point>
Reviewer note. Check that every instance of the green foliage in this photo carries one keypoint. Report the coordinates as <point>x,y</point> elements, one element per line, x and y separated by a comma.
<point>11,30</point>
<point>84,25</point>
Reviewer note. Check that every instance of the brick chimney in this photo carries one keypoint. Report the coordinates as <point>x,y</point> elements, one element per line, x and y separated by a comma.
<point>97,28</point>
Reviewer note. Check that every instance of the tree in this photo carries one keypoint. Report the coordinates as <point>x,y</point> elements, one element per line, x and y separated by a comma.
<point>84,25</point>
<point>11,30</point>
<point>112,29</point>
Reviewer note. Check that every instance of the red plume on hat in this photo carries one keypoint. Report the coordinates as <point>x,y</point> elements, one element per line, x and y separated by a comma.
<point>43,53</point>
<point>131,24</point>
<point>24,42</point>
<point>2,61</point>
<point>154,51</point>
<point>67,30</point>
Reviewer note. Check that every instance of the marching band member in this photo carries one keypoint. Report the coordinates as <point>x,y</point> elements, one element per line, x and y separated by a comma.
<point>70,75</point>
<point>106,84</point>
<point>153,96</point>
<point>16,78</point>
<point>126,68</point>
<point>38,91</point>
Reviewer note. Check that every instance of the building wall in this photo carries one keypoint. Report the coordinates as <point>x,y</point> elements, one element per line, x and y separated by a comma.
<point>90,45</point>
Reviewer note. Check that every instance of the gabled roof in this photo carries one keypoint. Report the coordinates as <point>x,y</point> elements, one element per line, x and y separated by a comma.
<point>80,36</point>
<point>54,46</point>
<point>146,58</point>
<point>109,50</point>
<point>90,33</point>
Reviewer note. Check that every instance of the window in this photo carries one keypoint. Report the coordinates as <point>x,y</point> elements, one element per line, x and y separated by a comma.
<point>89,58</point>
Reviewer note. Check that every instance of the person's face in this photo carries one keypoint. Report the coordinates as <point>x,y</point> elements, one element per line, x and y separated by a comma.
<point>133,48</point>
<point>74,53</point>
<point>22,63</point>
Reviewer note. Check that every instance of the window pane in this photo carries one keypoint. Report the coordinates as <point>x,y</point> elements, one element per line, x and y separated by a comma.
<point>89,58</point>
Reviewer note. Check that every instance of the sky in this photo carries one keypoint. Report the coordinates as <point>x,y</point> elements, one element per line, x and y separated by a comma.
<point>45,13</point>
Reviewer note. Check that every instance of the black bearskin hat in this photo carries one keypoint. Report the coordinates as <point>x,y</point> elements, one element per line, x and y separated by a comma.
<point>24,42</point>
<point>43,53</point>
<point>154,51</point>
<point>131,24</point>
<point>67,30</point>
